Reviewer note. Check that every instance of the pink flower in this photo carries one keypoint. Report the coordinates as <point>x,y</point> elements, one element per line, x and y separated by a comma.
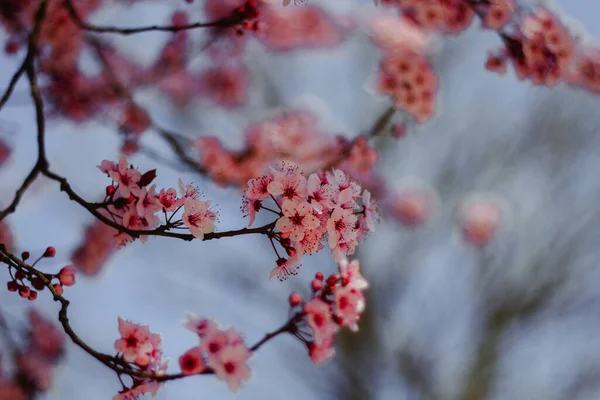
<point>107,167</point>
<point>351,276</point>
<point>297,218</point>
<point>202,326</point>
<point>197,217</point>
<point>126,177</point>
<point>167,199</point>
<point>257,188</point>
<point>340,226</point>
<point>250,207</point>
<point>318,316</point>
<point>232,366</point>
<point>191,362</point>
<point>319,194</point>
<point>289,184</point>
<point>370,210</point>
<point>323,352</point>
<point>147,203</point>
<point>285,268</point>
<point>134,393</point>
<point>349,304</point>
<point>188,191</point>
<point>134,343</point>
<point>339,181</point>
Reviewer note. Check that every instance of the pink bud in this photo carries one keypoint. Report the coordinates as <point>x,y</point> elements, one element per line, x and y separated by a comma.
<point>332,280</point>
<point>24,291</point>
<point>110,190</point>
<point>12,286</point>
<point>32,295</point>
<point>50,252</point>
<point>316,285</point>
<point>58,288</point>
<point>319,276</point>
<point>66,276</point>
<point>295,299</point>
<point>19,275</point>
<point>25,255</point>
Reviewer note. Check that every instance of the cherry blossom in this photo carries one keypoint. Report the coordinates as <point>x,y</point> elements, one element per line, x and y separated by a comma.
<point>231,366</point>
<point>318,314</point>
<point>198,217</point>
<point>134,343</point>
<point>297,218</point>
<point>191,362</point>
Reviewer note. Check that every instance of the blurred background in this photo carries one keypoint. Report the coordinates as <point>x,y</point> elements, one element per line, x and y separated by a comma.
<point>516,319</point>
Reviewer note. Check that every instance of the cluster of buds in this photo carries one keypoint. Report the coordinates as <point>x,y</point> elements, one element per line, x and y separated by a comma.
<point>141,350</point>
<point>221,351</point>
<point>134,204</point>
<point>336,302</point>
<point>327,207</point>
<point>27,284</point>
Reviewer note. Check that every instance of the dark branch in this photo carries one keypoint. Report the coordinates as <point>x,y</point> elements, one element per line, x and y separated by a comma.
<point>221,23</point>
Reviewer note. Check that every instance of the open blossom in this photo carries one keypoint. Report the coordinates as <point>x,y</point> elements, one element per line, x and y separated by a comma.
<point>341,226</point>
<point>285,268</point>
<point>370,210</point>
<point>289,184</point>
<point>167,199</point>
<point>198,217</point>
<point>147,203</point>
<point>319,353</point>
<point>319,194</point>
<point>134,343</point>
<point>297,218</point>
<point>318,316</point>
<point>351,276</point>
<point>127,178</point>
<point>258,187</point>
<point>202,326</point>
<point>231,366</point>
<point>145,387</point>
<point>349,304</point>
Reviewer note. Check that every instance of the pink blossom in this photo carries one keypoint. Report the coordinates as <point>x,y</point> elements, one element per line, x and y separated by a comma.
<point>319,194</point>
<point>250,208</point>
<point>319,353</point>
<point>198,217</point>
<point>148,202</point>
<point>191,362</point>
<point>167,199</point>
<point>297,218</point>
<point>340,226</point>
<point>188,191</point>
<point>370,210</point>
<point>202,326</point>
<point>285,268</point>
<point>258,188</point>
<point>134,343</point>
<point>127,178</point>
<point>349,304</point>
<point>289,184</point>
<point>351,276</point>
<point>231,366</point>
<point>318,316</point>
<point>146,387</point>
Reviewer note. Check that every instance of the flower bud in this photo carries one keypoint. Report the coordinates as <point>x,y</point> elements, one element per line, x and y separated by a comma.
<point>32,295</point>
<point>66,276</point>
<point>50,252</point>
<point>295,299</point>
<point>12,286</point>
<point>25,255</point>
<point>316,285</point>
<point>24,291</point>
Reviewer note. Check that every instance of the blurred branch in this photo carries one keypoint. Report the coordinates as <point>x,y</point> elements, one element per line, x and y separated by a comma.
<point>112,362</point>
<point>226,22</point>
<point>497,322</point>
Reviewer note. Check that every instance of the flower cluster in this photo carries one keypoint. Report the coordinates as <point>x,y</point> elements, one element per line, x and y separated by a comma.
<point>221,350</point>
<point>26,283</point>
<point>310,209</point>
<point>134,204</point>
<point>95,249</point>
<point>542,51</point>
<point>35,362</point>
<point>496,13</point>
<point>139,348</point>
<point>404,71</point>
<point>293,136</point>
<point>447,16</point>
<point>336,302</point>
